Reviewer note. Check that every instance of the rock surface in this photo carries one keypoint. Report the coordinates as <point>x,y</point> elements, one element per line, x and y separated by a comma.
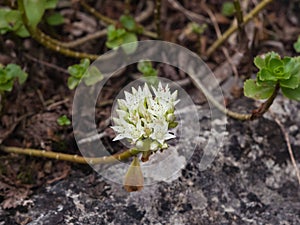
<point>252,181</point>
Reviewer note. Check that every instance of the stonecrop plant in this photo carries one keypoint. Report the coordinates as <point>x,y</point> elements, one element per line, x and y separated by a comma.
<point>145,119</point>
<point>275,72</point>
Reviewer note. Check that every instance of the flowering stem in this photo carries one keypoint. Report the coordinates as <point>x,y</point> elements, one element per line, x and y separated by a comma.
<point>239,116</point>
<point>72,158</point>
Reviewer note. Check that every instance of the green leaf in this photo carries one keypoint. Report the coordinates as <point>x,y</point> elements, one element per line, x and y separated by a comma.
<point>74,71</point>
<point>113,33</point>
<point>73,82</point>
<point>115,37</point>
<point>9,74</point>
<point>293,82</point>
<point>3,78</point>
<point>252,90</point>
<point>78,70</point>
<point>128,22</point>
<point>274,63</point>
<point>266,75</point>
<point>55,19</point>
<point>13,18</point>
<point>259,62</point>
<point>51,4</point>
<point>269,56</point>
<point>7,86</point>
<point>131,40</point>
<point>115,43</point>
<point>93,76</point>
<point>297,45</point>
<point>63,121</point>
<point>228,9</point>
<point>22,32</point>
<point>196,28</point>
<point>10,20</point>
<point>265,83</point>
<point>146,68</point>
<point>34,10</point>
<point>3,22</point>
<point>15,71</point>
<point>293,94</point>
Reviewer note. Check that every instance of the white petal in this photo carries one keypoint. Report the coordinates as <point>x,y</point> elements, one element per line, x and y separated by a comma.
<point>169,136</point>
<point>133,90</point>
<point>118,129</point>
<point>122,114</point>
<point>146,91</point>
<point>128,97</point>
<point>174,95</point>
<point>122,104</point>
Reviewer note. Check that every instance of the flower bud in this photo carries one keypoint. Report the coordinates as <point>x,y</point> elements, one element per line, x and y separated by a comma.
<point>170,117</point>
<point>154,146</point>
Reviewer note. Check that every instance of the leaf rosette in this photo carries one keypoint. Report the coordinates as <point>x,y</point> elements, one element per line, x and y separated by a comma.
<point>272,71</point>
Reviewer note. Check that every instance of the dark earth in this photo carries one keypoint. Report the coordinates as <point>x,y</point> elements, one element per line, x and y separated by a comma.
<point>251,181</point>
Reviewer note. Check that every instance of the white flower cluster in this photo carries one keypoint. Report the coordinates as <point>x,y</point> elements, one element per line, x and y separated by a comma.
<point>145,119</point>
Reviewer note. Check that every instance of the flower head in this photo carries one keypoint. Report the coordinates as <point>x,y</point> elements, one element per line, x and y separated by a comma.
<point>145,118</point>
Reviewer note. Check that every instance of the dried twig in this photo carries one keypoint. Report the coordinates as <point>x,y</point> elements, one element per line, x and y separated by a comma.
<point>219,35</point>
<point>234,27</point>
<point>288,143</point>
<point>189,14</point>
<point>47,64</point>
<point>157,17</point>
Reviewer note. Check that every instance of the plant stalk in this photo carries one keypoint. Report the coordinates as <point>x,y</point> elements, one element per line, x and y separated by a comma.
<point>71,158</point>
<point>239,116</point>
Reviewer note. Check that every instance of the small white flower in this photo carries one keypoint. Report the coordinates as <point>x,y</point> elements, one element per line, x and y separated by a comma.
<point>144,119</point>
<point>160,131</point>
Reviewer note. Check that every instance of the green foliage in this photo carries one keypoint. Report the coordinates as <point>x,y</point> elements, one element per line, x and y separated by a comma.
<point>50,4</point>
<point>82,71</point>
<point>11,21</point>
<point>125,35</point>
<point>252,90</point>
<point>146,68</point>
<point>35,9</point>
<point>55,19</point>
<point>228,9</point>
<point>128,22</point>
<point>297,45</point>
<point>9,74</point>
<point>196,28</point>
<point>63,121</point>
<point>272,71</point>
